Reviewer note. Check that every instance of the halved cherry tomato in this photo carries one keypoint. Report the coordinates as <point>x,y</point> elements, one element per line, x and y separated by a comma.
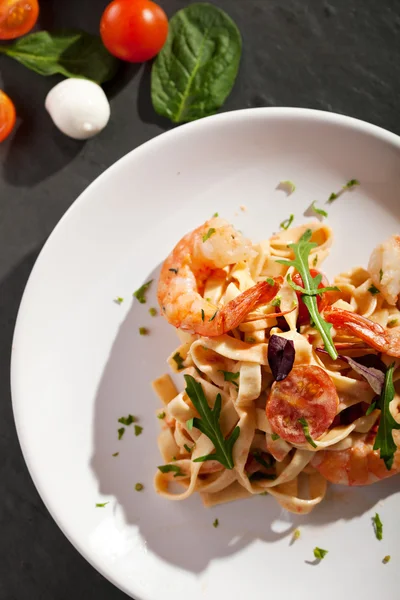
<point>134,30</point>
<point>322,299</point>
<point>307,393</point>
<point>17,17</point>
<point>7,116</point>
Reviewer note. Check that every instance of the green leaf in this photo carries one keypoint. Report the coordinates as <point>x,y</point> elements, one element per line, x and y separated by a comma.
<point>101,505</point>
<point>138,430</point>
<point>350,184</point>
<point>229,376</point>
<point>333,197</point>
<point>384,438</point>
<point>121,432</point>
<point>276,301</point>
<point>216,523</point>
<point>179,361</point>
<point>373,290</point>
<point>319,211</point>
<point>370,409</point>
<point>301,250</point>
<point>287,222</point>
<point>140,294</point>
<point>153,312</point>
<point>139,487</point>
<point>386,559</point>
<point>208,234</point>
<point>171,468</point>
<point>378,526</point>
<point>392,323</point>
<point>287,186</point>
<point>161,415</point>
<point>314,292</point>
<point>127,420</point>
<point>187,448</point>
<point>209,424</point>
<point>195,71</point>
<point>275,436</point>
<point>118,300</point>
<point>306,432</point>
<point>71,53</point>
<point>319,553</point>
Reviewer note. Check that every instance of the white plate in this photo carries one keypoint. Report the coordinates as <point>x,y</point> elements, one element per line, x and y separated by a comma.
<point>79,363</point>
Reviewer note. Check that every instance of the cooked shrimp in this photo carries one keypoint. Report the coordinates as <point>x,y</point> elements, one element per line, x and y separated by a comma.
<point>384,340</point>
<point>210,247</point>
<point>384,268</point>
<point>358,465</point>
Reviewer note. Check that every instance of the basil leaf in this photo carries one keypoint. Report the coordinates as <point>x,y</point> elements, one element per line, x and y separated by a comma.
<point>71,53</point>
<point>195,71</point>
<point>281,354</point>
<point>374,375</point>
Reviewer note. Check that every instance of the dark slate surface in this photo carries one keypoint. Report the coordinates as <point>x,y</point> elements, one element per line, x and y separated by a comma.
<point>341,56</point>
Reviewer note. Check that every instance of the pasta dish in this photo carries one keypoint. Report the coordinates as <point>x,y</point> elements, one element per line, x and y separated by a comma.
<point>290,381</point>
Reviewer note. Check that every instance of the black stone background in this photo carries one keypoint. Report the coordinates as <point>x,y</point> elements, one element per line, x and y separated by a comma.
<point>342,56</point>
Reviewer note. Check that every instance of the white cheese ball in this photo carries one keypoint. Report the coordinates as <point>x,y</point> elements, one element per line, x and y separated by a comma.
<point>78,107</point>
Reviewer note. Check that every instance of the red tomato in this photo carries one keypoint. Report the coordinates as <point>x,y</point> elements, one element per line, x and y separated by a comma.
<point>7,116</point>
<point>17,17</point>
<point>322,299</point>
<point>307,392</point>
<point>134,30</point>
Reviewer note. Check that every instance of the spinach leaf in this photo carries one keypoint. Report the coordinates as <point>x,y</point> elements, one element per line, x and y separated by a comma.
<point>71,53</point>
<point>197,67</point>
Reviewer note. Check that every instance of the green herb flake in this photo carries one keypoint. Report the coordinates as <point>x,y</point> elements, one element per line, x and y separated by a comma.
<point>319,553</point>
<point>179,361</point>
<point>202,315</point>
<point>270,281</point>
<point>386,559</point>
<point>216,523</point>
<point>373,290</point>
<point>209,424</point>
<point>318,211</point>
<point>188,450</point>
<point>140,294</point>
<point>378,526</point>
<point>251,340</point>
<point>161,415</point>
<point>121,432</point>
<point>263,494</point>
<point>174,271</point>
<point>350,184</point>
<point>306,432</point>
<point>287,222</point>
<point>392,323</point>
<point>275,436</point>
<point>333,197</point>
<point>315,260</point>
<point>171,469</point>
<point>143,331</point>
<point>208,299</point>
<point>301,251</point>
<point>189,424</point>
<point>118,300</point>
<point>153,312</point>
<point>209,233</point>
<point>296,534</point>
<point>384,438</point>
<point>116,454</point>
<point>380,275</point>
<point>127,420</point>
<point>101,505</point>
<point>287,186</point>
<point>213,317</point>
<point>138,430</point>
<point>139,487</point>
<point>370,409</point>
<point>229,376</point>
<point>276,301</point>
<point>215,215</point>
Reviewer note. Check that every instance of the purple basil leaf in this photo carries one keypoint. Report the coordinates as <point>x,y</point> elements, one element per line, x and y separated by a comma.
<point>281,355</point>
<point>374,376</point>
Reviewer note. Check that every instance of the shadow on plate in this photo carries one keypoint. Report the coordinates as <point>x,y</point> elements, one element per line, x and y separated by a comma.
<point>170,529</point>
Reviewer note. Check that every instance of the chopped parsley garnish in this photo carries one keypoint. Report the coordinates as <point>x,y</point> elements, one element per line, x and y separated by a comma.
<point>287,222</point>
<point>296,534</point>
<point>174,271</point>
<point>370,408</point>
<point>251,340</point>
<point>139,487</point>
<point>216,523</point>
<point>179,361</point>
<point>138,430</point>
<point>116,454</point>
<point>143,331</point>
<point>118,300</point>
<point>392,323</point>
<point>213,317</point>
<point>276,301</point>
<point>187,448</point>
<point>384,438</point>
<point>121,432</point>
<point>153,312</point>
<point>350,184</point>
<point>202,315</point>
<point>161,415</point>
<point>319,211</point>
<point>209,424</point>
<point>101,505</point>
<point>189,424</point>
<point>333,197</point>
<point>171,469</point>
<point>373,290</point>
<point>208,234</point>
<point>275,436</point>
<point>215,215</point>
<point>306,432</point>
<point>319,553</point>
<point>127,420</point>
<point>386,559</point>
<point>380,275</point>
<point>378,526</point>
<point>315,261</point>
<point>301,251</point>
<point>270,281</point>
<point>140,294</point>
<point>229,376</point>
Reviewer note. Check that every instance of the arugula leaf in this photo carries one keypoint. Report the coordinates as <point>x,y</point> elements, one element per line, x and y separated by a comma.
<point>195,71</point>
<point>171,469</point>
<point>319,553</point>
<point>127,420</point>
<point>384,438</point>
<point>370,409</point>
<point>229,376</point>
<point>71,53</point>
<point>373,290</point>
<point>140,294</point>
<point>301,251</point>
<point>179,361</point>
<point>378,526</point>
<point>306,432</point>
<point>319,211</point>
<point>209,424</point>
<point>287,222</point>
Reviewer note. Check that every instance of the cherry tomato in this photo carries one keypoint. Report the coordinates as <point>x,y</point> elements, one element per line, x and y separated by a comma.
<point>307,393</point>
<point>134,30</point>
<point>17,17</point>
<point>7,116</point>
<point>322,299</point>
